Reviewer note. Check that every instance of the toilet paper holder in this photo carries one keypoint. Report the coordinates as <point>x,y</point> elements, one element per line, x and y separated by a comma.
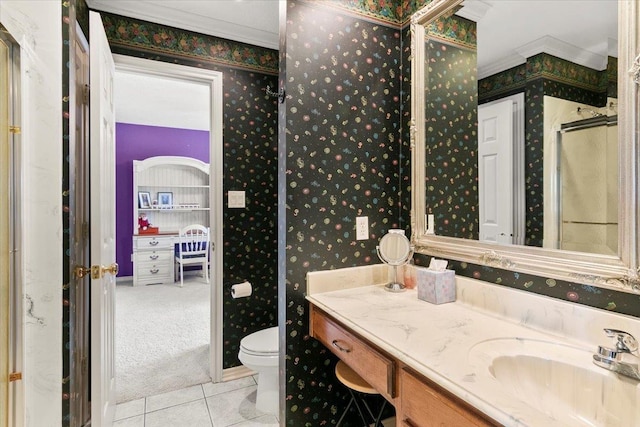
<point>241,290</point>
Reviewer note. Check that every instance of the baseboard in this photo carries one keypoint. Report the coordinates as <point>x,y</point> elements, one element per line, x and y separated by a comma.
<point>231,374</point>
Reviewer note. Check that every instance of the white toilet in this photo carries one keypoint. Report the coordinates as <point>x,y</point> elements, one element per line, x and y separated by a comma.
<point>259,352</point>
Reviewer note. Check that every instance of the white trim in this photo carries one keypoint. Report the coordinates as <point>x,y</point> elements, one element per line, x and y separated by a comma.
<point>214,80</point>
<point>162,14</point>
<point>236,372</point>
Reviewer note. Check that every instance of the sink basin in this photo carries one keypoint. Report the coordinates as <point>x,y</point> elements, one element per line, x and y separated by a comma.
<point>558,380</point>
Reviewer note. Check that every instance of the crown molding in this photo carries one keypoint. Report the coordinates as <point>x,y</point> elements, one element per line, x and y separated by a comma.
<point>157,13</point>
<point>566,51</point>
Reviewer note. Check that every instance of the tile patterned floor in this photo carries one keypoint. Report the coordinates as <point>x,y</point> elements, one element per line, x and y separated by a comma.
<point>225,404</point>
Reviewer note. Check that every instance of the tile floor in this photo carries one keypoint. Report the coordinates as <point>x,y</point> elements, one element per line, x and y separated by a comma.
<point>225,404</point>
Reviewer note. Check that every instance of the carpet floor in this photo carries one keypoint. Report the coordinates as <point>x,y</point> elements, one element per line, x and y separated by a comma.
<point>162,338</point>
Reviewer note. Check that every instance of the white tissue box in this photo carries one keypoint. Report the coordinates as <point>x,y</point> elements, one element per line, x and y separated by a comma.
<point>436,287</point>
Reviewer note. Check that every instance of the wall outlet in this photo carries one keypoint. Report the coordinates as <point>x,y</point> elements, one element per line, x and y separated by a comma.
<point>362,228</point>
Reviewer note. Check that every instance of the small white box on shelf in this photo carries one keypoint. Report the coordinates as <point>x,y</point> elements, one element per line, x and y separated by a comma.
<point>436,287</point>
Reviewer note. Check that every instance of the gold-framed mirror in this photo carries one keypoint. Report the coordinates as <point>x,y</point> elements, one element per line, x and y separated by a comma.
<point>614,263</point>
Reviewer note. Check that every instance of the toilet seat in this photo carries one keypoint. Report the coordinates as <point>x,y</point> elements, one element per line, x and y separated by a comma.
<point>261,343</point>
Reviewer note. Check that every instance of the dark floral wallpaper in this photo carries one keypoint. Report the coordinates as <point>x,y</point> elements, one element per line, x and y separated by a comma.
<point>343,150</point>
<point>144,37</point>
<point>451,116</point>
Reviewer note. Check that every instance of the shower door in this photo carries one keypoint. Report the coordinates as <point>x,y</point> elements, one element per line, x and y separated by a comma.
<point>10,282</point>
<point>588,186</point>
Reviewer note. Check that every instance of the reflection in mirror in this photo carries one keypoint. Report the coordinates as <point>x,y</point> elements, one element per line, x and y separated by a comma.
<point>559,198</point>
<point>491,175</point>
<point>395,250</point>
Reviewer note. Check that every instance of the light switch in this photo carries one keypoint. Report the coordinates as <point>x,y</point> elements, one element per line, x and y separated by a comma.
<point>362,228</point>
<point>236,199</point>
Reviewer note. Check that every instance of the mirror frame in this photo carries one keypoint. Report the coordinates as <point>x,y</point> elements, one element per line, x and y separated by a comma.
<point>620,273</point>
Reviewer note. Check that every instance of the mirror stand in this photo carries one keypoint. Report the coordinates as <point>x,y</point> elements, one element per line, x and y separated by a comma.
<point>394,250</point>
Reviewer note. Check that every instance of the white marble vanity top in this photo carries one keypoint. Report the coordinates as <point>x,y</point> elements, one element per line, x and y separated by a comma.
<point>437,340</point>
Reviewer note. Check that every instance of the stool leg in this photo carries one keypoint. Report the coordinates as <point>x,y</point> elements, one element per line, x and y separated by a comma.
<point>355,401</point>
<point>378,422</point>
<point>345,412</point>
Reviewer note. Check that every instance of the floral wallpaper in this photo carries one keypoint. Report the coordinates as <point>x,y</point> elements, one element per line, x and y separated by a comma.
<point>451,116</point>
<point>342,147</point>
<point>182,45</point>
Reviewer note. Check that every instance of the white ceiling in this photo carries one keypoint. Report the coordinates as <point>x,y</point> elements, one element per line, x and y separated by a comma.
<point>510,31</point>
<point>505,39</point>
<point>160,101</point>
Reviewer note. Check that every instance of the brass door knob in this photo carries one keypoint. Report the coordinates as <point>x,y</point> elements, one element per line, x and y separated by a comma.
<point>97,272</point>
<point>113,269</point>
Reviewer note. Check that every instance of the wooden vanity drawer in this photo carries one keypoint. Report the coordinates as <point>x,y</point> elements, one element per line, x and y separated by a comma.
<point>372,365</point>
<point>425,404</point>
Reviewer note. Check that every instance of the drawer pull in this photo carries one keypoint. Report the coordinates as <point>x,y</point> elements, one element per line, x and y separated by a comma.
<point>409,423</point>
<point>154,270</point>
<point>153,242</point>
<point>153,256</point>
<point>336,345</point>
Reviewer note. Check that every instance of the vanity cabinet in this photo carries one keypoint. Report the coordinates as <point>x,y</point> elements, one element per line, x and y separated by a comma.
<point>418,401</point>
<point>424,404</point>
<point>186,181</point>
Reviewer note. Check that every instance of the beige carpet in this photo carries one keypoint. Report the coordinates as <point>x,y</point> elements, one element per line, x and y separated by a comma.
<point>162,338</point>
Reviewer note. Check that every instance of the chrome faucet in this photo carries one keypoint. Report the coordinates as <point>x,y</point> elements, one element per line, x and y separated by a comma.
<point>624,358</point>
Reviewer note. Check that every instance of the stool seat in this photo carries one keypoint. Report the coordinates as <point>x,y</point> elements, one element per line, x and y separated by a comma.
<point>351,379</point>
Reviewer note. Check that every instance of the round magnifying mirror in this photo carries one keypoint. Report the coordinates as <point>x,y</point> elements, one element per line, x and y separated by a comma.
<point>395,250</point>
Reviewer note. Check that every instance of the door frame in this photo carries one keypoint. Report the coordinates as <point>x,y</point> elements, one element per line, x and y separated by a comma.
<point>213,79</point>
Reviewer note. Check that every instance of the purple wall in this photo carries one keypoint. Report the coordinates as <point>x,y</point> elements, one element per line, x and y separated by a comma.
<point>137,142</point>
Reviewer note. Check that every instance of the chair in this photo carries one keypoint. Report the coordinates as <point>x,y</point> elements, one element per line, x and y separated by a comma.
<point>358,388</point>
<point>193,248</point>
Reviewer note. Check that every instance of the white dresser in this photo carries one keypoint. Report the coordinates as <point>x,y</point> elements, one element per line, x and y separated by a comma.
<point>153,259</point>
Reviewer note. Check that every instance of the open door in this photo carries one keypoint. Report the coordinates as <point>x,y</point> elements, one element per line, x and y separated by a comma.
<point>102,216</point>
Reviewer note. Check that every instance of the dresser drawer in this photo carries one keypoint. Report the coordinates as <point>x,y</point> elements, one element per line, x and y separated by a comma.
<point>158,242</point>
<point>150,272</point>
<point>164,257</point>
<point>425,404</point>
<point>372,365</point>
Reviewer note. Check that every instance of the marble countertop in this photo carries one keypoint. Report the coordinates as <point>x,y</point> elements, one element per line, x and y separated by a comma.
<point>439,340</point>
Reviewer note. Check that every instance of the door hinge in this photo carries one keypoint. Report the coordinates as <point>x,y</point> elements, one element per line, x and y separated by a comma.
<point>85,94</point>
<point>15,376</point>
<point>15,130</point>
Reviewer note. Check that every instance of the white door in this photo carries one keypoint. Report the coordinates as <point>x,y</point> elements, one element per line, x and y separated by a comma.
<point>495,172</point>
<point>102,207</point>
